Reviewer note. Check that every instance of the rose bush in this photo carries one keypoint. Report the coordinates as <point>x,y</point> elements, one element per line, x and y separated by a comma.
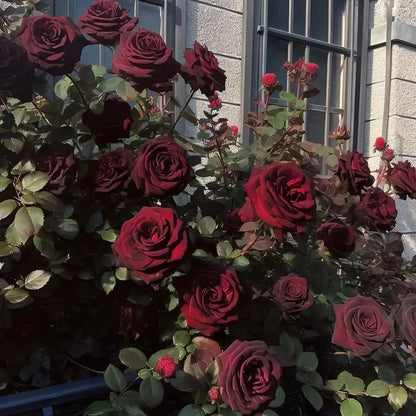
<point>225,279</point>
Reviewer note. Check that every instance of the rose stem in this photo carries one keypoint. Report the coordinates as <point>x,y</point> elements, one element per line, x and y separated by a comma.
<point>79,91</point>
<point>183,110</point>
<point>41,113</point>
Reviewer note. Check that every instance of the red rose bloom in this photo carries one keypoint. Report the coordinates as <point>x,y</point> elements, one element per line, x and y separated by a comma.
<point>388,155</point>
<point>202,71</point>
<point>234,129</point>
<point>16,71</point>
<point>354,173</point>
<point>162,168</point>
<point>269,79</point>
<point>248,376</point>
<point>376,210</point>
<point>339,239</point>
<point>112,124</point>
<point>292,295</point>
<point>112,171</point>
<point>53,43</point>
<point>152,243</point>
<point>211,298</point>
<point>282,197</point>
<point>144,59</point>
<point>105,20</point>
<point>403,179</point>
<point>380,143</point>
<point>361,326</point>
<point>58,162</point>
<point>406,319</point>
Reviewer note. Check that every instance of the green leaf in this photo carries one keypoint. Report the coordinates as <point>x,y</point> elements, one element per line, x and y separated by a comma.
<point>386,373</point>
<point>154,358</point>
<point>99,70</point>
<point>206,225</point>
<point>7,250</point>
<point>410,381</point>
<point>378,388</point>
<point>241,263</point>
<point>126,91</point>
<point>269,412</point>
<point>108,282</point>
<point>279,397</point>
<point>332,160</point>
<point>4,183</point>
<point>98,408</point>
<point>268,131</point>
<point>351,407</point>
<point>122,273</point>
<point>185,382</point>
<point>67,228</point>
<point>224,249</point>
<point>110,84</point>
<point>22,167</point>
<point>114,378</point>
<point>61,87</point>
<point>108,235</point>
<point>13,237</point>
<point>397,397</point>
<point>35,181</point>
<point>191,410</point>
<point>181,338</point>
<point>16,295</point>
<point>287,96</point>
<point>188,116</point>
<point>49,201</point>
<point>352,384</point>
<point>28,220</point>
<point>45,245</point>
<point>7,207</point>
<point>312,396</point>
<point>133,358</point>
<point>37,279</point>
<point>307,361</point>
<point>151,392</point>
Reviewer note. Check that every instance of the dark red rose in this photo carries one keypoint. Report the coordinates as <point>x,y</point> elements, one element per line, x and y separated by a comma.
<point>144,59</point>
<point>354,173</point>
<point>239,216</point>
<point>202,71</point>
<point>161,167</point>
<point>406,319</point>
<point>211,298</point>
<point>282,197</point>
<point>248,376</point>
<point>112,124</point>
<point>57,160</point>
<point>16,71</point>
<point>403,179</point>
<point>105,20</point>
<point>339,239</point>
<point>377,210</point>
<point>361,326</point>
<point>152,243</point>
<point>112,171</point>
<point>292,295</point>
<point>53,43</point>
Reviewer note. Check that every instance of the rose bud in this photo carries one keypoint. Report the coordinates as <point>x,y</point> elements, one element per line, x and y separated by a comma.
<point>339,239</point>
<point>311,67</point>
<point>165,366</point>
<point>234,129</point>
<point>388,155</point>
<point>340,133</point>
<point>269,80</point>
<point>380,143</point>
<point>213,394</point>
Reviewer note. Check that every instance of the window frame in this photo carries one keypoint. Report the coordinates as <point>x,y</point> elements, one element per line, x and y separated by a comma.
<point>255,57</point>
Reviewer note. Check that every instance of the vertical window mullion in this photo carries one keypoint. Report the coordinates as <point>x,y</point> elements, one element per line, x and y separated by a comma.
<point>348,96</point>
<point>328,74</point>
<point>265,36</point>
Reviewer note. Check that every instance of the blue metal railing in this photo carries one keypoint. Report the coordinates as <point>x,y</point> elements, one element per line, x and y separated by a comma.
<point>43,401</point>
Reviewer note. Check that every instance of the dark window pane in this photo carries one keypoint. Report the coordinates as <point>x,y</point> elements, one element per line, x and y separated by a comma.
<point>338,21</point>
<point>278,14</point>
<point>319,57</point>
<point>297,53</point>
<point>128,4</point>
<point>315,127</point>
<point>319,19</point>
<point>150,16</point>
<point>299,17</point>
<point>276,57</point>
<point>339,66</point>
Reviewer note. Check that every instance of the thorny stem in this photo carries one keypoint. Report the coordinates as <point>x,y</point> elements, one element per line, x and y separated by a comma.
<point>183,110</point>
<point>266,104</point>
<point>79,91</point>
<point>41,113</point>
<point>127,387</point>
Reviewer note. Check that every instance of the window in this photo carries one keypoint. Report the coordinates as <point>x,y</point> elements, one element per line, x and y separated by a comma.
<point>321,31</point>
<point>150,14</point>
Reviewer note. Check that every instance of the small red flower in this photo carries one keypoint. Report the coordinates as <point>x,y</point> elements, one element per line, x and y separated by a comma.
<point>213,394</point>
<point>388,155</point>
<point>311,67</point>
<point>234,129</point>
<point>380,143</point>
<point>269,79</point>
<point>214,102</point>
<point>165,366</point>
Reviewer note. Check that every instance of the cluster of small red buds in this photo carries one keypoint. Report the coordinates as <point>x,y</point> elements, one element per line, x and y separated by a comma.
<point>214,102</point>
<point>300,71</point>
<point>381,145</point>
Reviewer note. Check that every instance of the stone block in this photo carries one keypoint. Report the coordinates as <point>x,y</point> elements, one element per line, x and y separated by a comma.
<point>403,60</point>
<point>234,5</point>
<point>374,101</point>
<point>405,11</point>
<point>402,101</point>
<point>376,65</point>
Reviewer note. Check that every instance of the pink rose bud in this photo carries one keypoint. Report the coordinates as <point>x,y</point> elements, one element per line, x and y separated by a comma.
<point>165,366</point>
<point>213,394</point>
<point>311,67</point>
<point>380,143</point>
<point>234,129</point>
<point>388,155</point>
<point>154,110</point>
<point>269,79</point>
